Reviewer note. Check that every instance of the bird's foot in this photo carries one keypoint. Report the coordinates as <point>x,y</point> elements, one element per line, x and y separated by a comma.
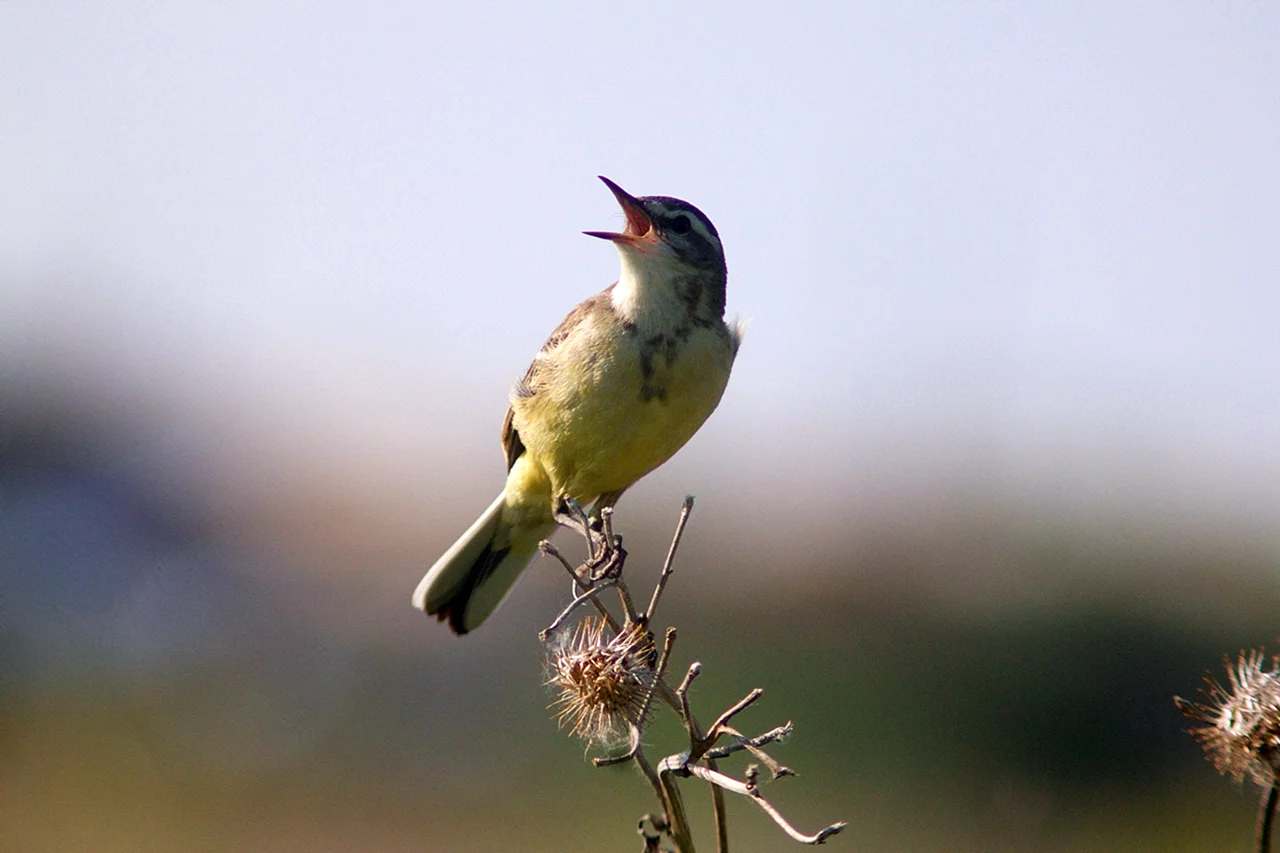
<point>569,513</point>
<point>605,554</point>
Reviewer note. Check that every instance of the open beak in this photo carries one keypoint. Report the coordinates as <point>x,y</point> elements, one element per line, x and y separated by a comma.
<point>639,225</point>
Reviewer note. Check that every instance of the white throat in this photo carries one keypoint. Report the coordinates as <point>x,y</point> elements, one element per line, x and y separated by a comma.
<point>648,294</point>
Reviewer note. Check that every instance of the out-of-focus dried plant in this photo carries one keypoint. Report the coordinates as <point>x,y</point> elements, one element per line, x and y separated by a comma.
<point>1240,729</point>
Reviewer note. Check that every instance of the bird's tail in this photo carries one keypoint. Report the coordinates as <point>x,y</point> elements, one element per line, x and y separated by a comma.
<point>475,575</point>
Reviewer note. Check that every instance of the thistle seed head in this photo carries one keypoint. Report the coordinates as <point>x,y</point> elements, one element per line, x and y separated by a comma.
<point>601,681</point>
<point>1241,731</point>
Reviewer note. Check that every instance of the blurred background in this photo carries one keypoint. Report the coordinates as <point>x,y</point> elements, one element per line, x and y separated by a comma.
<point>996,476</point>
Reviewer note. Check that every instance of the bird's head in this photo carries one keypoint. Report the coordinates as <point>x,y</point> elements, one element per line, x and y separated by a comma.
<point>665,231</point>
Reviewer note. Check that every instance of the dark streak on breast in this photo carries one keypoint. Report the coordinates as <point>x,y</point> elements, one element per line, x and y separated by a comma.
<point>668,348</point>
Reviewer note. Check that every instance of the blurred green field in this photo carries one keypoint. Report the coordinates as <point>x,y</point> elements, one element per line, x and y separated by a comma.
<point>1050,731</point>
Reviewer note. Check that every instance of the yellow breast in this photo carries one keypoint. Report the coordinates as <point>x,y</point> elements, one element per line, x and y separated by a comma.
<point>613,406</point>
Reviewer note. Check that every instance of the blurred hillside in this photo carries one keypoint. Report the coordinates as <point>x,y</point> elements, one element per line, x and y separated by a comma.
<point>965,672</point>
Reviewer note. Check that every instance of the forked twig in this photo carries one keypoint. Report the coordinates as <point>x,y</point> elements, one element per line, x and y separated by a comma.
<point>738,707</point>
<point>578,583</point>
<point>753,745</point>
<point>591,593</point>
<point>781,733</point>
<point>751,790</point>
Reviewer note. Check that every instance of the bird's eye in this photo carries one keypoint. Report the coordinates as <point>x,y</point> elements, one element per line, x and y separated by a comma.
<point>681,224</point>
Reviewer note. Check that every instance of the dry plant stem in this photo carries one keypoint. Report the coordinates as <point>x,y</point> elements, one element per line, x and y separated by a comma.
<point>751,791</point>
<point>664,785</point>
<point>673,802</point>
<point>671,555</point>
<point>546,547</point>
<point>1267,817</point>
<point>552,550</point>
<point>668,643</point>
<point>646,770</point>
<point>573,605</point>
<point>628,608</point>
<point>720,816</point>
<point>677,819</point>
<point>749,743</point>
<point>606,523</point>
<point>752,745</point>
<point>605,614</point>
<point>697,749</point>
<point>602,570</point>
<point>723,720</point>
<point>682,693</point>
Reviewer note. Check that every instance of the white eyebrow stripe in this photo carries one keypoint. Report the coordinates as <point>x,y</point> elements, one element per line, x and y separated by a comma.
<point>666,212</point>
<point>702,229</point>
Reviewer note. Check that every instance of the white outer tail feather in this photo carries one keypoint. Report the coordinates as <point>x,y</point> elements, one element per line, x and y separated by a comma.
<point>438,587</point>
<point>454,564</point>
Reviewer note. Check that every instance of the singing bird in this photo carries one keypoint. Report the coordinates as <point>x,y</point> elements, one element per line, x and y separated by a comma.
<point>622,383</point>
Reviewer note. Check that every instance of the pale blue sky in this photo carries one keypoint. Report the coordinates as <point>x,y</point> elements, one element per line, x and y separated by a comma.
<point>1035,240</point>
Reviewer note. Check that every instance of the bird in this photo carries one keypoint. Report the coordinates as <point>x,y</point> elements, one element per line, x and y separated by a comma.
<point>622,383</point>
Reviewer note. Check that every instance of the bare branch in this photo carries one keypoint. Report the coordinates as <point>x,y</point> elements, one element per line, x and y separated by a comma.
<point>719,814</point>
<point>576,519</point>
<point>606,522</point>
<point>646,770</point>
<point>591,593</point>
<point>668,643</point>
<point>752,745</point>
<point>673,805</point>
<point>682,693</point>
<point>578,583</point>
<point>671,555</point>
<point>752,792</point>
<point>778,734</point>
<point>547,547</point>
<point>696,742</point>
<point>624,596</point>
<point>738,707</point>
<point>675,820</point>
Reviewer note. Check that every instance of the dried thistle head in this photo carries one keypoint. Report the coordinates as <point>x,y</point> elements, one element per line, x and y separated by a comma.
<point>601,680</point>
<point>1241,731</point>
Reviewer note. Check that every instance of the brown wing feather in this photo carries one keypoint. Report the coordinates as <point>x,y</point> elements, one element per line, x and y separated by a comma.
<point>511,443</point>
<point>531,383</point>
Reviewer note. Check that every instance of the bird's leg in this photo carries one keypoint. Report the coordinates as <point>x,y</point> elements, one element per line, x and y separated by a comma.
<point>605,554</point>
<point>568,513</point>
<point>608,563</point>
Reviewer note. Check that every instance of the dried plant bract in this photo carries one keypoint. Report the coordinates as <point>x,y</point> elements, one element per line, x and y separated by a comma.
<point>602,680</point>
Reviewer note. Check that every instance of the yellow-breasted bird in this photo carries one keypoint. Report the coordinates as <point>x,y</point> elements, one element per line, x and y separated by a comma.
<point>622,383</point>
